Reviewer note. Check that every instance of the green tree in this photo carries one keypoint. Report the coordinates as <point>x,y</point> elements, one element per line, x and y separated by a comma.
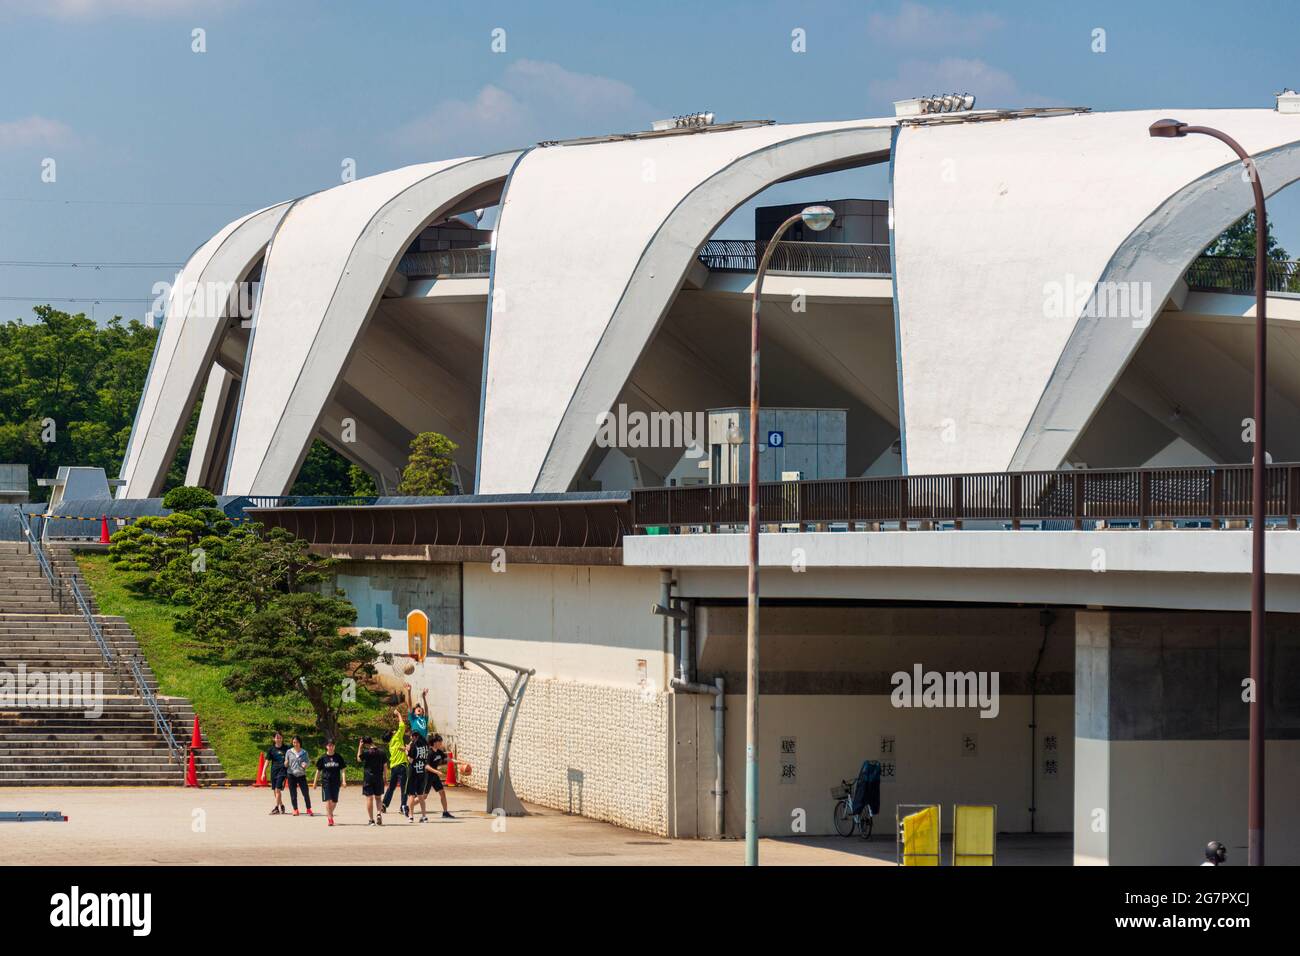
<point>363,483</point>
<point>189,498</point>
<point>431,469</point>
<point>299,642</point>
<point>69,390</point>
<point>325,472</point>
<point>258,602</point>
<point>171,552</point>
<point>1238,240</point>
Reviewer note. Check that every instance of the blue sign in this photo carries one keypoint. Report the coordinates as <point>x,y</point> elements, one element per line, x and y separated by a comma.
<point>775,439</point>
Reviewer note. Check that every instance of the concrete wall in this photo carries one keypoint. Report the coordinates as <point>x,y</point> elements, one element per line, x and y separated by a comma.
<point>592,735</point>
<point>1161,737</point>
<point>835,733</point>
<point>385,593</point>
<point>436,678</point>
<point>587,624</point>
<point>826,683</point>
<point>592,750</point>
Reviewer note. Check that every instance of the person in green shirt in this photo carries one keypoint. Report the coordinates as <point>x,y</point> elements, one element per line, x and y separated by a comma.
<point>398,763</point>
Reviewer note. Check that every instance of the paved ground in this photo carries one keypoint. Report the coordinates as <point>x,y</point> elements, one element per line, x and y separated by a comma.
<point>232,826</point>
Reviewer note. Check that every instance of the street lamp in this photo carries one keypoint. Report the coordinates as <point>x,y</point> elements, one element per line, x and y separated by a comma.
<point>1255,797</point>
<point>815,218</point>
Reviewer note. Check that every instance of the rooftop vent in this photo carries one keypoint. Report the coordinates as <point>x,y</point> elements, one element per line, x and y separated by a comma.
<point>936,103</point>
<point>688,121</point>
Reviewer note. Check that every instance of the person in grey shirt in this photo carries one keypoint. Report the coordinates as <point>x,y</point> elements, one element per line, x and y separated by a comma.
<point>296,761</point>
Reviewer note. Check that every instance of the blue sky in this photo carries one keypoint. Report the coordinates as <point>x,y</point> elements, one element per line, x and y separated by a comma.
<point>157,146</point>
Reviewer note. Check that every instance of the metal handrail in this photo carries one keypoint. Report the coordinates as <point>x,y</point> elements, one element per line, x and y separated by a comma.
<point>105,649</point>
<point>1069,498</point>
<point>475,262</point>
<point>1236,274</point>
<point>804,258</point>
<point>34,545</point>
<point>235,508</point>
<point>132,665</point>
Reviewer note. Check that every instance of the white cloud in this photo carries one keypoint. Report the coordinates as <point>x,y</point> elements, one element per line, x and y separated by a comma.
<point>992,87</point>
<point>35,131</point>
<point>916,25</point>
<point>533,100</point>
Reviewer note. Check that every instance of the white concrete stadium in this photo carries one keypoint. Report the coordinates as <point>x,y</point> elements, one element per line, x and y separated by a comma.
<point>1003,336</point>
<point>1023,343</point>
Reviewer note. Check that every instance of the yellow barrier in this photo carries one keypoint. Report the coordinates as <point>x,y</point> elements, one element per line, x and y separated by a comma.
<point>918,834</point>
<point>974,835</point>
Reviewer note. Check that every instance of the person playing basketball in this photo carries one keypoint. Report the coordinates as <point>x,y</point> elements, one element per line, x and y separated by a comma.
<point>438,760</point>
<point>372,759</point>
<point>418,753</point>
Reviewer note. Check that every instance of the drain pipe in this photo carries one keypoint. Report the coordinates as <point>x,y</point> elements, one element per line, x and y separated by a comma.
<point>718,690</point>
<point>673,609</point>
<point>1045,618</point>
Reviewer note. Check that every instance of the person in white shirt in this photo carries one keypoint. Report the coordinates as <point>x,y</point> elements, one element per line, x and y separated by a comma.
<point>296,762</point>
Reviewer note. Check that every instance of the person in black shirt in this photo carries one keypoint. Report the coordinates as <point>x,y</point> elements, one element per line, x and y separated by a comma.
<point>418,752</point>
<point>279,776</point>
<point>329,771</point>
<point>438,760</point>
<point>373,760</point>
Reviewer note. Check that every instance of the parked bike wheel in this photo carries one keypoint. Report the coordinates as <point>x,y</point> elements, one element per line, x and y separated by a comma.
<point>864,825</point>
<point>844,822</point>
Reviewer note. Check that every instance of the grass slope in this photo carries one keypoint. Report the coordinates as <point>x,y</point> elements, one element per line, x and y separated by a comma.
<point>237,731</point>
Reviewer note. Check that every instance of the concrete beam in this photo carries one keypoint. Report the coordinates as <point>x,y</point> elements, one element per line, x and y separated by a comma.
<point>326,271</point>
<point>593,314</point>
<point>205,295</point>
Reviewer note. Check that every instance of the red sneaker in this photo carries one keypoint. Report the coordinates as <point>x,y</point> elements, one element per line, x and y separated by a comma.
<point>331,821</point>
<point>309,813</point>
<point>295,813</point>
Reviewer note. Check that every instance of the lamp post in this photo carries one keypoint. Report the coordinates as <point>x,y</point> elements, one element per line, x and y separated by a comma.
<point>815,218</point>
<point>1255,795</point>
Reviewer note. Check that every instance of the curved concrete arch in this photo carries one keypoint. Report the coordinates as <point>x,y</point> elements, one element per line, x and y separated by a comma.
<point>1159,252</point>
<point>325,272</point>
<point>996,224</point>
<point>649,205</point>
<point>198,313</point>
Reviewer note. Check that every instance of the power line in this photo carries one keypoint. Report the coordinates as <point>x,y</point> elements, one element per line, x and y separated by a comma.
<point>63,298</point>
<point>41,264</point>
<point>124,202</point>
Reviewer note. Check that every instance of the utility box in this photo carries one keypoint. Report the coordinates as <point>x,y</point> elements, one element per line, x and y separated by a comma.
<point>809,441</point>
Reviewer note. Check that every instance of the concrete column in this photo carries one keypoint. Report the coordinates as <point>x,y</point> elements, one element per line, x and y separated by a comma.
<point>1092,738</point>
<point>212,436</point>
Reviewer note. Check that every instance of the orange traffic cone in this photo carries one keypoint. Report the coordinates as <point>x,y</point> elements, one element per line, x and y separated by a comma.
<point>196,739</point>
<point>103,529</point>
<point>261,771</point>
<point>451,768</point>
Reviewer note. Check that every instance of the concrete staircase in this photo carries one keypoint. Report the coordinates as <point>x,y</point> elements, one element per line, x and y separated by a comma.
<point>62,746</point>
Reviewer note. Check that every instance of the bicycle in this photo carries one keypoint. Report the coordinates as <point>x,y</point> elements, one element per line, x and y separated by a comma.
<point>845,818</point>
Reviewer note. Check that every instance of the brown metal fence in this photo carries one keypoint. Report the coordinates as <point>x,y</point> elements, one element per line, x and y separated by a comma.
<point>1076,499</point>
